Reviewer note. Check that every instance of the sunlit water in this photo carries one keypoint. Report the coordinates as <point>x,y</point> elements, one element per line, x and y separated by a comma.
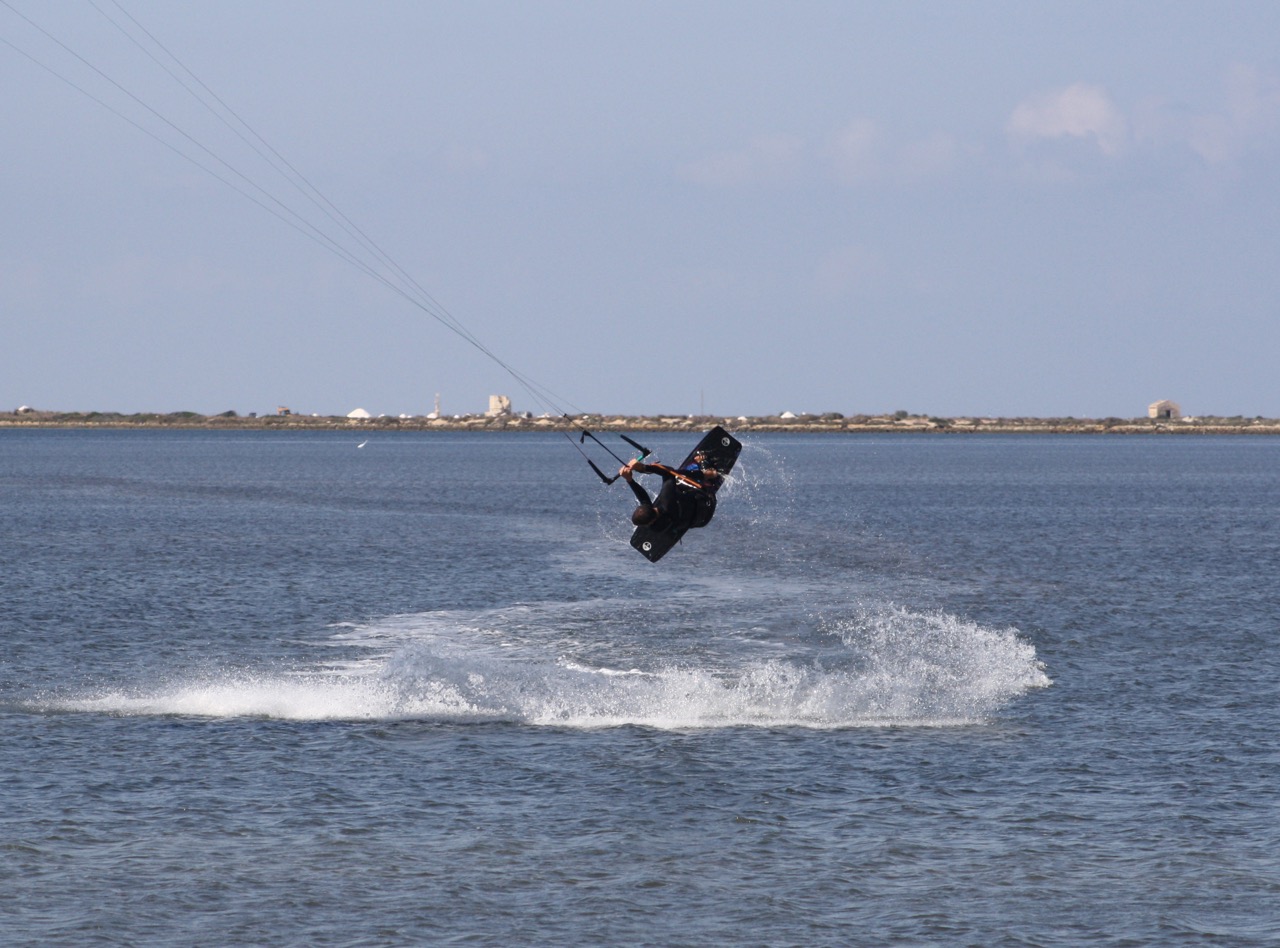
<point>271,688</point>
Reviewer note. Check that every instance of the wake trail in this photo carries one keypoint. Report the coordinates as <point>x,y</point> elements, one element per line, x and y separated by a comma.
<point>878,667</point>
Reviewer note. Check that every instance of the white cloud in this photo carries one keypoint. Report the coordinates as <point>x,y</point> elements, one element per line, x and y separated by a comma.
<point>1212,137</point>
<point>766,158</point>
<point>1253,99</point>
<point>856,152</point>
<point>1079,111</point>
<point>1251,112</point>
<point>1246,117</point>
<point>859,153</point>
<point>863,152</point>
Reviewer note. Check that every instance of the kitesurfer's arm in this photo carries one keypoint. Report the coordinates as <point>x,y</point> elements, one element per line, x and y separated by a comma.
<point>642,495</point>
<point>660,469</point>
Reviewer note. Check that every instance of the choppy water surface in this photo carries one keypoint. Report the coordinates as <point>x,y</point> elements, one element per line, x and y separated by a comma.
<point>274,688</point>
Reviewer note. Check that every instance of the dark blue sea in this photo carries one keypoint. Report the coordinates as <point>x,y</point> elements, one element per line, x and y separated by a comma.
<point>278,689</point>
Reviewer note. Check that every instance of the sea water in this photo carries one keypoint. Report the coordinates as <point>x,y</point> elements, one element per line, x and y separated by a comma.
<point>276,688</point>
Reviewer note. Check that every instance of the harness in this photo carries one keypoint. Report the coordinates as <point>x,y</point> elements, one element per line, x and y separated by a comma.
<point>691,491</point>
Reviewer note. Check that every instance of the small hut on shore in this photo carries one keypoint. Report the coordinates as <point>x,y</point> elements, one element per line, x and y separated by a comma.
<point>1164,409</point>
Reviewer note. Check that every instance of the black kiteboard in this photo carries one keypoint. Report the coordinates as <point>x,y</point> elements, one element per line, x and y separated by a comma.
<point>720,452</point>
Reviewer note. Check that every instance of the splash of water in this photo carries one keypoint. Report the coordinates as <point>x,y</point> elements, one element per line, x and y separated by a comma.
<point>878,666</point>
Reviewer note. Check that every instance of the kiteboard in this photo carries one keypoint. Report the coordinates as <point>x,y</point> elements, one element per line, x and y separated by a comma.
<point>717,450</point>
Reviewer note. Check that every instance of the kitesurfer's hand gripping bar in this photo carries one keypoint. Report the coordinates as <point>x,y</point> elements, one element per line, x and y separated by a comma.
<point>644,453</point>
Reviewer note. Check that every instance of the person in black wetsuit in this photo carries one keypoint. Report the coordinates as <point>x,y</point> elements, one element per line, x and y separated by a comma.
<point>686,499</point>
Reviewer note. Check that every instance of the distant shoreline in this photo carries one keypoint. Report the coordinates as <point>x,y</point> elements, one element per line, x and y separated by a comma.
<point>831,422</point>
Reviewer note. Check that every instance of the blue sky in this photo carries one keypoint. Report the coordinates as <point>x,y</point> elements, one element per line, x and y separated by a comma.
<point>992,208</point>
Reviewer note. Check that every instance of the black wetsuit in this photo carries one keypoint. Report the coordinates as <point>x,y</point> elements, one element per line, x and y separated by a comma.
<point>680,504</point>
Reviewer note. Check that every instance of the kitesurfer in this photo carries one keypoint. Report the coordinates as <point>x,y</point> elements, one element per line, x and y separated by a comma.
<point>687,497</point>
